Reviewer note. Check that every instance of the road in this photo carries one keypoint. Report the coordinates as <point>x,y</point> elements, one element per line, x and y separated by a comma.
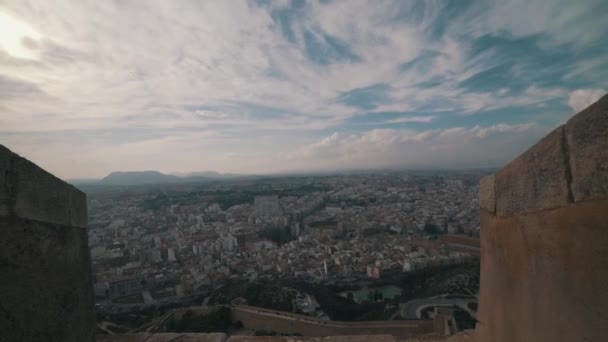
<point>413,308</point>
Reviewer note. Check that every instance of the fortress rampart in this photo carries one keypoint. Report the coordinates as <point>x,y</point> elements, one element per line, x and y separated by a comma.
<point>544,238</point>
<point>283,322</point>
<point>46,289</point>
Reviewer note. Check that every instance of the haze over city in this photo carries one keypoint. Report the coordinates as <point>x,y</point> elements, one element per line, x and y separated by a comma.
<point>91,87</point>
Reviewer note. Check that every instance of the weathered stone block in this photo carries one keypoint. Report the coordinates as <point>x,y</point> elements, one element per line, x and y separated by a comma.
<point>45,268</point>
<point>587,138</point>
<point>534,181</point>
<point>487,199</point>
<point>46,282</point>
<point>39,195</point>
<point>28,191</point>
<point>544,275</point>
<point>169,336</point>
<point>6,157</point>
<point>77,211</point>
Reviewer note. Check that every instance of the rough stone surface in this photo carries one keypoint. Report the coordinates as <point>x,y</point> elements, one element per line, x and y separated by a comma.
<point>587,139</point>
<point>6,158</point>
<point>30,192</point>
<point>46,283</point>
<point>463,336</point>
<point>46,289</point>
<point>544,253</point>
<point>534,181</point>
<point>221,337</point>
<point>287,323</point>
<point>164,337</point>
<point>361,338</point>
<point>77,207</point>
<point>544,275</point>
<point>487,200</point>
<point>39,195</point>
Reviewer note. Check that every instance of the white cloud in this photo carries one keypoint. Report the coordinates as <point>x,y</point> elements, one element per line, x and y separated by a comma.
<point>159,75</point>
<point>425,119</point>
<point>558,22</point>
<point>451,147</point>
<point>13,33</point>
<point>582,98</point>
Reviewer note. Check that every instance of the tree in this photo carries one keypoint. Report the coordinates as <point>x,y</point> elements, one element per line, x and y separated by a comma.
<point>432,229</point>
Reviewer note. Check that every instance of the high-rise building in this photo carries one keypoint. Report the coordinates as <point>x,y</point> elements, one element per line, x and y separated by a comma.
<point>229,242</point>
<point>171,255</point>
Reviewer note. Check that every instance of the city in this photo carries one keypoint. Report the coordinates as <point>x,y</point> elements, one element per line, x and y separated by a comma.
<point>154,246</point>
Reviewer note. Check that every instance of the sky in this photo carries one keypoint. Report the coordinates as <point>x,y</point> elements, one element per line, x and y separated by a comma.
<point>89,87</point>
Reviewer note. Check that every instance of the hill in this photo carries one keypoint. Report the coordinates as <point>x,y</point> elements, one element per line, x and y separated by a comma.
<point>138,178</point>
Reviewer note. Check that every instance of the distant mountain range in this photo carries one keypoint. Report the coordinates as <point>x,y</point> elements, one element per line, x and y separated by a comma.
<point>138,178</point>
<point>155,177</point>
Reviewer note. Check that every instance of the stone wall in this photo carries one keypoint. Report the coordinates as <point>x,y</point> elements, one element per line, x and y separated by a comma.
<point>46,291</point>
<point>360,338</point>
<point>164,337</point>
<point>220,337</point>
<point>544,238</point>
<point>286,323</point>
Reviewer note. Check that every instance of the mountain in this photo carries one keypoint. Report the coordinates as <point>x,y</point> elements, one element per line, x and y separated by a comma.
<point>138,178</point>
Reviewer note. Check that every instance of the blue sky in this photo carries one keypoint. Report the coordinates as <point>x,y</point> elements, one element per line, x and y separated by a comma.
<point>90,87</point>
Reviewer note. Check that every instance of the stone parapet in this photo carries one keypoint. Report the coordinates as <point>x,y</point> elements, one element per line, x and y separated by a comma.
<point>360,338</point>
<point>29,192</point>
<point>164,337</point>
<point>534,181</point>
<point>568,165</point>
<point>544,249</point>
<point>46,284</point>
<point>487,198</point>
<point>587,147</point>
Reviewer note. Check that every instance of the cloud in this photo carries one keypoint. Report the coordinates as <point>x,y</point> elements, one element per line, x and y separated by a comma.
<point>446,148</point>
<point>425,119</point>
<point>560,22</point>
<point>15,88</point>
<point>582,98</point>
<point>260,79</point>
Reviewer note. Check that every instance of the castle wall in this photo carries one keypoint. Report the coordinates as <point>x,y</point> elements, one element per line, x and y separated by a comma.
<point>46,291</point>
<point>544,238</point>
<point>281,322</point>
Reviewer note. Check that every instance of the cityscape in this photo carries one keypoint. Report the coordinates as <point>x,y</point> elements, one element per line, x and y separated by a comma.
<point>174,244</point>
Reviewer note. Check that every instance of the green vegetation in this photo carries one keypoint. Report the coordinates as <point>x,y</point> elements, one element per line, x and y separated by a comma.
<point>432,229</point>
<point>273,333</point>
<point>278,235</point>
<point>276,294</point>
<point>464,320</point>
<point>458,279</point>
<point>262,293</point>
<point>216,321</point>
<point>344,309</point>
<point>133,299</point>
<point>129,320</point>
<point>373,231</point>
